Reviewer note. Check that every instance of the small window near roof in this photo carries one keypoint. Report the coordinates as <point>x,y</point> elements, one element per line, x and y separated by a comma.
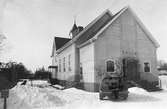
<point>146,67</point>
<point>110,66</point>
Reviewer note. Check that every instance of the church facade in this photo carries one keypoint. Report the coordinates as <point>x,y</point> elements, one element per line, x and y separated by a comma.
<point>105,42</point>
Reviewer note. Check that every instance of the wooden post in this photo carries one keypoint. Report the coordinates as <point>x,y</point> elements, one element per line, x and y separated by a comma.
<point>4,95</point>
<point>5,103</point>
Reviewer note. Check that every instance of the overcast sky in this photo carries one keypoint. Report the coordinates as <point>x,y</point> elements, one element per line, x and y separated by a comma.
<point>30,25</point>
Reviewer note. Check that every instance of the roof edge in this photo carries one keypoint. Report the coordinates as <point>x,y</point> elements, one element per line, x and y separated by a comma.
<point>85,29</point>
<point>138,20</point>
<point>150,36</point>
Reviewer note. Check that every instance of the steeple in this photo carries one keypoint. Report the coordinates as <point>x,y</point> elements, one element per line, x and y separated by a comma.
<point>75,29</point>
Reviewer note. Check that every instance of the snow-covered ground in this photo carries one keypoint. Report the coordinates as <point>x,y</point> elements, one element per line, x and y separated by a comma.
<point>28,97</point>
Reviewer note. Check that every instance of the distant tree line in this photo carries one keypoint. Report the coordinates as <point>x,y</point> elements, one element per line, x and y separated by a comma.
<point>10,73</point>
<point>42,73</point>
<point>162,65</point>
<point>14,70</point>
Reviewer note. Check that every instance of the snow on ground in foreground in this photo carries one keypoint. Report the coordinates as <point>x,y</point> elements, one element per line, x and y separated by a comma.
<point>58,86</point>
<point>28,97</point>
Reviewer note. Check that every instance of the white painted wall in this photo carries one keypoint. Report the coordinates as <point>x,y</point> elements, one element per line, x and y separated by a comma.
<point>87,61</point>
<point>125,38</point>
<point>67,75</point>
<point>54,63</point>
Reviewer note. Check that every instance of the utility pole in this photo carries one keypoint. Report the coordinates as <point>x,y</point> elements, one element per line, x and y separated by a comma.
<point>5,94</point>
<point>5,103</point>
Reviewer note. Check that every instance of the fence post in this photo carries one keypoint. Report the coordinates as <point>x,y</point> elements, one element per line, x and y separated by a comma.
<point>5,103</point>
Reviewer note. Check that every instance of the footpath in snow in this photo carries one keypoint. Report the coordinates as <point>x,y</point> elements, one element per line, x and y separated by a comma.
<point>47,97</point>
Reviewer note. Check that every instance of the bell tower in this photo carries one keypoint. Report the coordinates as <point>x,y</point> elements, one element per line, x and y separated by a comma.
<point>75,29</point>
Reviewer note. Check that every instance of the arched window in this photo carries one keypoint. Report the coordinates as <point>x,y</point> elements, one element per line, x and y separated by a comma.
<point>146,67</point>
<point>110,66</point>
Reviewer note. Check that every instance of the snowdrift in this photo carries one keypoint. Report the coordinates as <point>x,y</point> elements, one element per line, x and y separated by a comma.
<point>163,79</point>
<point>34,97</point>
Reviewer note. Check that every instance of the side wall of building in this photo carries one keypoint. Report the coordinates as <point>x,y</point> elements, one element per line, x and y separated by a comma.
<point>107,46</point>
<point>136,43</point>
<point>53,71</point>
<point>125,38</point>
<point>87,66</point>
<point>66,64</point>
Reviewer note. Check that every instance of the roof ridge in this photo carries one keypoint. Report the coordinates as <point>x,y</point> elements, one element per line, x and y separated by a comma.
<point>87,27</point>
<point>61,37</point>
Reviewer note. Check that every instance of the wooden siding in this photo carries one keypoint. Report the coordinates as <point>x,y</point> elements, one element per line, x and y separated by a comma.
<point>125,38</point>
<point>146,53</point>
<point>87,61</point>
<point>107,46</point>
<point>128,35</point>
<point>135,43</point>
<point>54,63</point>
<point>67,75</point>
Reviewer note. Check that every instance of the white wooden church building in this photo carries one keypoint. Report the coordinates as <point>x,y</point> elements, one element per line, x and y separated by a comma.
<point>95,49</point>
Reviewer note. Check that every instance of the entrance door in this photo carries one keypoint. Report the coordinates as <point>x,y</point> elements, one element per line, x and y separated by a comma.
<point>130,69</point>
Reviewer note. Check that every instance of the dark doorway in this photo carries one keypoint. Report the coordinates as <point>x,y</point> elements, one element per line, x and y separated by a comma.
<point>130,69</point>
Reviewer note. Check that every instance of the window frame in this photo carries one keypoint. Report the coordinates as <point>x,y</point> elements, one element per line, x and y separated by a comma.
<point>149,66</point>
<point>59,65</point>
<point>64,64</point>
<point>106,65</point>
<point>69,62</point>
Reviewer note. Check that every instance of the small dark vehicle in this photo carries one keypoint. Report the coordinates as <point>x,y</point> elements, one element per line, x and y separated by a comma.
<point>114,87</point>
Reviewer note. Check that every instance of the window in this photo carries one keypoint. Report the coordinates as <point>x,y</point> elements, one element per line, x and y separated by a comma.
<point>81,71</point>
<point>64,64</point>
<point>110,66</point>
<point>55,60</point>
<point>146,67</point>
<point>69,62</point>
<point>59,65</point>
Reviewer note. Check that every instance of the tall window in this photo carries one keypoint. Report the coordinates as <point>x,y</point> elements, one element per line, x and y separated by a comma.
<point>59,65</point>
<point>146,67</point>
<point>55,60</point>
<point>64,64</point>
<point>110,66</point>
<point>69,62</point>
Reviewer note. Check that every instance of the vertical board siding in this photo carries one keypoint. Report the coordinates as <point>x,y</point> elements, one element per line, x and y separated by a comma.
<point>146,53</point>
<point>128,39</point>
<point>124,38</point>
<point>87,61</point>
<point>67,75</point>
<point>107,46</point>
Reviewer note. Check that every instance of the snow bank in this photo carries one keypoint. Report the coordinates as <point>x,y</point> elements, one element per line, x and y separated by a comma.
<point>27,97</point>
<point>138,90</point>
<point>58,86</point>
<point>163,79</point>
<point>76,91</point>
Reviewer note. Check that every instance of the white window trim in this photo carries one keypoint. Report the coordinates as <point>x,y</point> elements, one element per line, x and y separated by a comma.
<point>60,66</point>
<point>64,64</point>
<point>144,66</point>
<point>69,63</point>
<point>114,65</point>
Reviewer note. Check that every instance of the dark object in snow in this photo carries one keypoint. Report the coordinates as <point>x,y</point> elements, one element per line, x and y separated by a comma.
<point>114,87</point>
<point>8,77</point>
<point>24,82</point>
